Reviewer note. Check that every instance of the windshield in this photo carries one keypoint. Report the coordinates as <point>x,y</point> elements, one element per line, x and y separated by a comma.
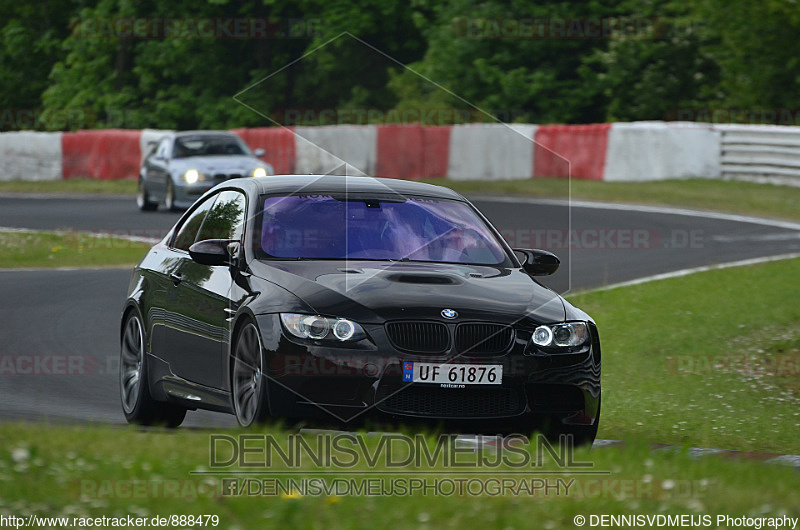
<point>413,229</point>
<point>205,145</point>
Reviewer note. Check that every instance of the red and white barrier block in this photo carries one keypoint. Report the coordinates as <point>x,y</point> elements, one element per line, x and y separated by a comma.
<point>491,152</point>
<point>108,154</point>
<point>643,151</point>
<point>29,155</point>
<point>626,152</point>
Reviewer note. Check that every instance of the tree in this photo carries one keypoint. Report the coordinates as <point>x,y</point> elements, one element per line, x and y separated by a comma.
<point>31,34</point>
<point>518,60</point>
<point>539,61</point>
<point>756,47</point>
<point>662,74</point>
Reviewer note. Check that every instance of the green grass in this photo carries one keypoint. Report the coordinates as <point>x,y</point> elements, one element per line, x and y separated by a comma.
<point>726,196</point>
<point>108,187</point>
<point>94,471</point>
<point>710,360</point>
<point>66,249</point>
<point>672,373</point>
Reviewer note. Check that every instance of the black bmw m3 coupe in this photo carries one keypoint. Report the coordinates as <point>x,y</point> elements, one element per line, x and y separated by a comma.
<point>344,298</point>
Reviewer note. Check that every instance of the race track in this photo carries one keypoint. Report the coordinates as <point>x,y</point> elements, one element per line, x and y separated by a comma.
<point>74,314</point>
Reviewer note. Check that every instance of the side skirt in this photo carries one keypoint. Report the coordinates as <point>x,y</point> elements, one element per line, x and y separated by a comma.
<point>166,386</point>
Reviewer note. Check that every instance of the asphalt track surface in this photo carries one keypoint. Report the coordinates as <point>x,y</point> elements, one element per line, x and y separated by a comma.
<point>74,314</point>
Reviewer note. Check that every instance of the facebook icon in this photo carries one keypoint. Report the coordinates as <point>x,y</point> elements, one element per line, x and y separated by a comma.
<point>230,486</point>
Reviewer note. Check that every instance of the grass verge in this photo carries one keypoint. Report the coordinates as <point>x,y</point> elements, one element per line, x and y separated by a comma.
<point>67,249</point>
<point>726,196</point>
<point>114,472</point>
<point>104,187</point>
<point>705,360</point>
<point>710,359</point>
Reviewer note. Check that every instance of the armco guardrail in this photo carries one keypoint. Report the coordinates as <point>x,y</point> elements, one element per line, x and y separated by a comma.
<point>638,151</point>
<point>760,152</point>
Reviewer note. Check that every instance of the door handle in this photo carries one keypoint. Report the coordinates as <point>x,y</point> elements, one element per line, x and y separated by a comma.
<point>176,277</point>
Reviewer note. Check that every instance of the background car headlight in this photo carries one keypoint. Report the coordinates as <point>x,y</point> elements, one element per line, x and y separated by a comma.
<point>566,335</point>
<point>191,176</point>
<point>316,327</point>
<point>259,172</point>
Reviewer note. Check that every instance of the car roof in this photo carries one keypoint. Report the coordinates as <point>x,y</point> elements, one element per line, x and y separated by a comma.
<point>349,184</point>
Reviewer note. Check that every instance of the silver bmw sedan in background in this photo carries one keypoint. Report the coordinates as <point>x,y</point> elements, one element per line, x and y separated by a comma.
<point>181,166</point>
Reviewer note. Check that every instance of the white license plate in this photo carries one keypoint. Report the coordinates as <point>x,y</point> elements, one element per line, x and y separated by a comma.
<point>456,374</point>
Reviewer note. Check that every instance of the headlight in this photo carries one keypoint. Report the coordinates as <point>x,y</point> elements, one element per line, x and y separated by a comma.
<point>316,327</point>
<point>259,172</point>
<point>566,335</point>
<point>191,176</point>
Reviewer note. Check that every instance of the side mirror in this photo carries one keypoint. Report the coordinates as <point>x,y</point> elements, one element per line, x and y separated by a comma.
<point>214,251</point>
<point>538,262</point>
<point>259,152</point>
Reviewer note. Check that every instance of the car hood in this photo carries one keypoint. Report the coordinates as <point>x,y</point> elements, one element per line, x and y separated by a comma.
<point>218,164</point>
<point>373,292</point>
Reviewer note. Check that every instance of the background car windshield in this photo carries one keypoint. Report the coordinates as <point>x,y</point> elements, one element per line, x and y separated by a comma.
<point>208,145</point>
<point>414,229</point>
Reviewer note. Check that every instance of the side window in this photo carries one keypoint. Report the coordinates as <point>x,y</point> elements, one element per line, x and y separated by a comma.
<point>226,218</point>
<point>163,148</point>
<point>188,231</point>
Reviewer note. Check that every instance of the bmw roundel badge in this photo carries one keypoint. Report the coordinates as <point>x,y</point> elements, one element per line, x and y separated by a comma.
<point>449,313</point>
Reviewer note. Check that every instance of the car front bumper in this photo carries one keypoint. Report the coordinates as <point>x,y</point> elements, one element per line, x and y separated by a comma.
<point>315,380</point>
<point>186,194</point>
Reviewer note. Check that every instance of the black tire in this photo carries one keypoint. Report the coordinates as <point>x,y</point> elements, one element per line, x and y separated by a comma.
<point>143,198</point>
<point>248,383</point>
<point>169,196</point>
<point>138,405</point>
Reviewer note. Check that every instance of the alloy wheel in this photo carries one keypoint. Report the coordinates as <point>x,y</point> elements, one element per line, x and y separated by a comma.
<point>247,375</point>
<point>131,359</point>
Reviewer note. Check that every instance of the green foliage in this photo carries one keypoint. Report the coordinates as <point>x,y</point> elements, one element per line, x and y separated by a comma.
<point>469,55</point>
<point>756,48</point>
<point>31,34</point>
<point>506,71</point>
<point>666,73</point>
